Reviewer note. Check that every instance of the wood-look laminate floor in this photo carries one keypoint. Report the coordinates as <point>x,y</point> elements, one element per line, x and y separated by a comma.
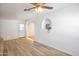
<point>23,47</point>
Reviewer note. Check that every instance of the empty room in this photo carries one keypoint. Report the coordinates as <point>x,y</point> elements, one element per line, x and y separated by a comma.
<point>39,29</point>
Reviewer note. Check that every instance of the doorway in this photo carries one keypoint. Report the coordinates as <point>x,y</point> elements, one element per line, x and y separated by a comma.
<point>30,29</point>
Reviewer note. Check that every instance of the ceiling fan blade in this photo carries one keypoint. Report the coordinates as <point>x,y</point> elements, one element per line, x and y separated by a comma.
<point>29,9</point>
<point>47,7</point>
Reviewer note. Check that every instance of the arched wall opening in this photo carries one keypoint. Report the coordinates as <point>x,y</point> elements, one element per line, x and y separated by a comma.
<point>30,29</point>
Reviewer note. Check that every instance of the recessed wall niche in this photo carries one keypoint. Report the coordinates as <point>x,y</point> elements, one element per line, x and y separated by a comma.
<point>47,24</point>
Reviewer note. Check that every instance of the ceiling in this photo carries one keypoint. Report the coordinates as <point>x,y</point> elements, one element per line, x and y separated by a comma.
<point>16,10</point>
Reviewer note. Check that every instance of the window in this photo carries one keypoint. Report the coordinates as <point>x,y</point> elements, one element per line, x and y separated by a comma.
<point>21,26</point>
<point>21,30</point>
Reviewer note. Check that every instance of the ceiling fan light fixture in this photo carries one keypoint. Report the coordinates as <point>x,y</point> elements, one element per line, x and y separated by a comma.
<point>38,10</point>
<point>39,7</point>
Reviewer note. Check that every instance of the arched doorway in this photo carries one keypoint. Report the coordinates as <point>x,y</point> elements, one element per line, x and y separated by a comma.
<point>30,29</point>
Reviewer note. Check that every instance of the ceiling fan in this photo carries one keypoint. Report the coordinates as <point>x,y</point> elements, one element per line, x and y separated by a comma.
<point>38,5</point>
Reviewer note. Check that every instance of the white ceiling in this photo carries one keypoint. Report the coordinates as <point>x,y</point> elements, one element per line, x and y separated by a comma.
<point>16,10</point>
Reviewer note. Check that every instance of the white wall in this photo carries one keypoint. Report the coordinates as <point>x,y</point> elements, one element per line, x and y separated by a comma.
<point>65,30</point>
<point>9,29</point>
